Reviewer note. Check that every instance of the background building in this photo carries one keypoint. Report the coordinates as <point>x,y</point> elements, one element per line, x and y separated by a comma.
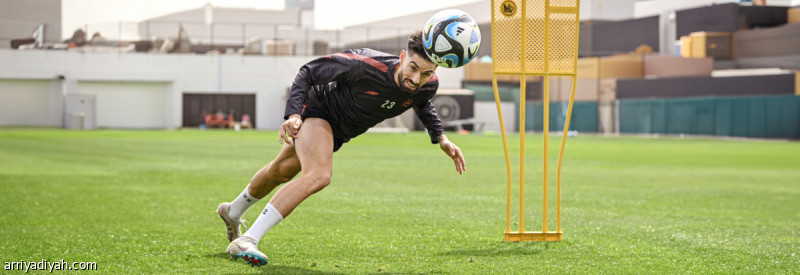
<point>169,71</point>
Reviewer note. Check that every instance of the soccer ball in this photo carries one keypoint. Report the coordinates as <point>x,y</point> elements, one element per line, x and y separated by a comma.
<point>451,38</point>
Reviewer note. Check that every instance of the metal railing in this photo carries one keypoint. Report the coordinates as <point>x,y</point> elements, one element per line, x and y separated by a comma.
<point>221,36</point>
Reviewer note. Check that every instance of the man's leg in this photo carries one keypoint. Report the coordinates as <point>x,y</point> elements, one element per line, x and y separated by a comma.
<point>314,149</point>
<point>282,169</point>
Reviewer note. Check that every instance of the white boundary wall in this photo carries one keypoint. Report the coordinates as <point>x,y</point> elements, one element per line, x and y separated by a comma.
<point>34,85</point>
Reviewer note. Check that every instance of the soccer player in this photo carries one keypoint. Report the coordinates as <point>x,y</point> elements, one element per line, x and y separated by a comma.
<point>332,100</point>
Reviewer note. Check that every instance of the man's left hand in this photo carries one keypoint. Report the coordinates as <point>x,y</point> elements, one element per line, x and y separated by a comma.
<point>454,152</point>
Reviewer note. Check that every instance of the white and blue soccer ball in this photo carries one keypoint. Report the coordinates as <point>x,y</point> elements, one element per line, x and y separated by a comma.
<point>451,38</point>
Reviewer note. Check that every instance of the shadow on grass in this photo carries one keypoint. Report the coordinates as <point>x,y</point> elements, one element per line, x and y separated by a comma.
<point>281,269</point>
<point>502,249</point>
<point>269,268</point>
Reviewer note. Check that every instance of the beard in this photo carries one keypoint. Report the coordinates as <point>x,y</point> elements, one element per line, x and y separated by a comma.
<point>402,82</point>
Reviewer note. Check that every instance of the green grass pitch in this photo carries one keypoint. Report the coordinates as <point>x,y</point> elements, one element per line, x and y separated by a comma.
<point>144,202</point>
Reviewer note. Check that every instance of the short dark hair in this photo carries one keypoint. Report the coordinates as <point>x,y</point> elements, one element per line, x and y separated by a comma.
<point>415,44</point>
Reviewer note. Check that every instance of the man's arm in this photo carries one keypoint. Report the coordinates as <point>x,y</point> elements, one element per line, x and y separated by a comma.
<point>454,152</point>
<point>427,115</point>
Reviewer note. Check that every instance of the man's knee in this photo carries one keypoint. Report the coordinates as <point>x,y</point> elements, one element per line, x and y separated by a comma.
<point>318,181</point>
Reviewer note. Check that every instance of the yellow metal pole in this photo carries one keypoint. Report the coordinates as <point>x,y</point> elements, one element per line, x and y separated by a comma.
<point>502,130</point>
<point>505,150</point>
<point>523,68</point>
<point>561,155</point>
<point>569,115</point>
<point>546,116</point>
<point>545,133</point>
<point>522,154</point>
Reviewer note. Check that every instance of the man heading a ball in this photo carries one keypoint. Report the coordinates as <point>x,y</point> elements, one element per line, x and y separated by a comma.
<point>332,100</point>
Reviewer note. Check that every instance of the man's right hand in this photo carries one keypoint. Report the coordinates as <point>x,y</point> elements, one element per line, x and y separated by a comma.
<point>289,129</point>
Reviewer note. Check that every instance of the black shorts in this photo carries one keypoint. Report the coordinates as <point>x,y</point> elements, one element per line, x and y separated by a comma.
<point>322,112</point>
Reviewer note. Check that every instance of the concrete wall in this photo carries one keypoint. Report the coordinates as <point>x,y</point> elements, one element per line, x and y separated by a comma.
<point>117,79</point>
<point>20,18</point>
<point>658,7</point>
<point>607,9</point>
<point>784,3</point>
<point>34,102</point>
<point>128,104</point>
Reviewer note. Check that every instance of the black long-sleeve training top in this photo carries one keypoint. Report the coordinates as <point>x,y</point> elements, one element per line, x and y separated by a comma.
<point>357,88</point>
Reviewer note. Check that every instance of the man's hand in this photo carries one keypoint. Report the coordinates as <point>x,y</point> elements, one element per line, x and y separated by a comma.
<point>454,152</point>
<point>289,129</point>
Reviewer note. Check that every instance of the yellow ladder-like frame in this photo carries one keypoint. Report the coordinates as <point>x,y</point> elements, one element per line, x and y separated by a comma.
<point>534,38</point>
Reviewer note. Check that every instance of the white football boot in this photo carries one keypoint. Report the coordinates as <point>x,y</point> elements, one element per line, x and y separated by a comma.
<point>231,226</point>
<point>247,248</point>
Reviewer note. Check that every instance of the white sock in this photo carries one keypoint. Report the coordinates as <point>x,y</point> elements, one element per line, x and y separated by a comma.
<point>241,203</point>
<point>268,218</point>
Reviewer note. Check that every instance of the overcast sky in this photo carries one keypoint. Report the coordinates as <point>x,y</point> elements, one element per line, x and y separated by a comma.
<point>330,14</point>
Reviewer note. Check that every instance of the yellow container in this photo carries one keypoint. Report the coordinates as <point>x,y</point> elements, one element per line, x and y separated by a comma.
<point>686,46</point>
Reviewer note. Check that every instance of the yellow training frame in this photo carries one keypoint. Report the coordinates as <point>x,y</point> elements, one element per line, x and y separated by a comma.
<point>534,38</point>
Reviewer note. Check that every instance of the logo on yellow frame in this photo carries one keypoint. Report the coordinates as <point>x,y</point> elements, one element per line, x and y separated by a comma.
<point>508,8</point>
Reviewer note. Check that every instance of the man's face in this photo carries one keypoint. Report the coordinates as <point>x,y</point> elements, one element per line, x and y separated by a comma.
<point>413,72</point>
